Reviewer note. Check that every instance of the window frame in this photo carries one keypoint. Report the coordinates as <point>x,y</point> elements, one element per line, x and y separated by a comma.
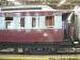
<point>8,21</point>
<point>34,18</point>
<point>22,27</point>
<point>52,24</point>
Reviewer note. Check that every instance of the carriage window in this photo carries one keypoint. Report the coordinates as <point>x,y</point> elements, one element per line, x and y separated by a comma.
<point>9,18</point>
<point>49,21</point>
<point>33,22</point>
<point>8,21</point>
<point>22,22</point>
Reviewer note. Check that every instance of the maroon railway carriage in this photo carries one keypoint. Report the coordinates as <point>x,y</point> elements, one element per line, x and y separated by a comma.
<point>31,24</point>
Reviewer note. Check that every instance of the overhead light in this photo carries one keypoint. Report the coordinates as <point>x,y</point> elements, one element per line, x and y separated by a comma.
<point>61,3</point>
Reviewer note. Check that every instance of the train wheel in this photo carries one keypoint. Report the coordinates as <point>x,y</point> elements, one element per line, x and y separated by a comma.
<point>26,50</point>
<point>15,51</point>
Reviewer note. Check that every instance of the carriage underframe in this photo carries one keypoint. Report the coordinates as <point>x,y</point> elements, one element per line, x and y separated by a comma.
<point>40,48</point>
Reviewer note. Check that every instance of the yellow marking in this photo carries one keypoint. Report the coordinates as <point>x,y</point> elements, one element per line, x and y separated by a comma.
<point>39,57</point>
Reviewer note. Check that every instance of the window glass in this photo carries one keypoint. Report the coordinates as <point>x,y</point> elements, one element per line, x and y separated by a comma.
<point>33,22</point>
<point>49,21</point>
<point>22,22</point>
<point>8,21</point>
<point>9,18</point>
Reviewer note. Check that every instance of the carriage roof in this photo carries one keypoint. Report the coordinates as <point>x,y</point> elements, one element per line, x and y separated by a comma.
<point>30,8</point>
<point>27,8</point>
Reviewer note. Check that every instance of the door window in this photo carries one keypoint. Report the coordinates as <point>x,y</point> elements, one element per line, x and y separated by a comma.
<point>49,21</point>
